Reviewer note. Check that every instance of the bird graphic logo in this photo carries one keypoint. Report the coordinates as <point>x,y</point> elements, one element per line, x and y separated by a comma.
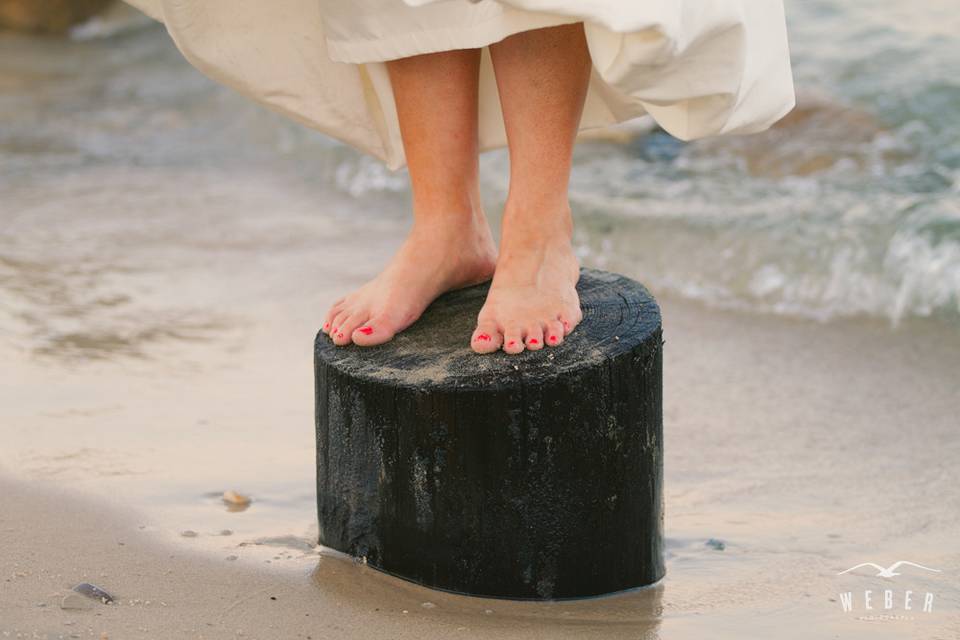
<point>888,572</point>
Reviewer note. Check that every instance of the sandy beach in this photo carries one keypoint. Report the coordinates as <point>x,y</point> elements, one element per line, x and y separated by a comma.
<point>804,448</point>
<point>168,250</point>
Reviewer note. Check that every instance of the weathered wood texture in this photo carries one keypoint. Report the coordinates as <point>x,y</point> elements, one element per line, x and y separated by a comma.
<point>532,476</point>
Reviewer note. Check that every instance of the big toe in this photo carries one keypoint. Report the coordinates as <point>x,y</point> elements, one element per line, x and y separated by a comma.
<point>486,338</point>
<point>375,331</point>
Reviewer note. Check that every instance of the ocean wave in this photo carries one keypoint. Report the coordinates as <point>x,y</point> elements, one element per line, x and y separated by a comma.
<point>803,252</point>
<point>850,206</point>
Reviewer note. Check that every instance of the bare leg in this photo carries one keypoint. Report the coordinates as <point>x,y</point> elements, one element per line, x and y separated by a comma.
<point>542,77</point>
<point>450,245</point>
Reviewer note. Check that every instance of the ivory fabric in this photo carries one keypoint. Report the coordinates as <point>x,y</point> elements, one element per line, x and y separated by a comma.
<point>698,67</point>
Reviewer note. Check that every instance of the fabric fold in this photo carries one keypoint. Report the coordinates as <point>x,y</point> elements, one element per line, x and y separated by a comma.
<point>698,67</point>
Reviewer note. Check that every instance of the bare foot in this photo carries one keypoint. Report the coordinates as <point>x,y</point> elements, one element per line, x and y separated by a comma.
<point>533,298</point>
<point>440,254</point>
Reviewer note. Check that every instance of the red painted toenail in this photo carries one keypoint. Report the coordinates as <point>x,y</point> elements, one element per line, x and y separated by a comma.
<point>533,341</point>
<point>553,338</point>
<point>483,336</point>
<point>365,330</point>
<point>511,343</point>
<point>339,335</point>
<point>326,325</point>
<point>334,330</point>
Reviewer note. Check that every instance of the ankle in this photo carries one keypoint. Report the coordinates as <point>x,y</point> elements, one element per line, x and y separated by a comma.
<point>450,203</point>
<point>541,220</point>
<point>451,225</point>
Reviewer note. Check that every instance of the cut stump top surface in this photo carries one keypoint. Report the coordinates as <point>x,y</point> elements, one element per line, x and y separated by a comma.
<point>619,314</point>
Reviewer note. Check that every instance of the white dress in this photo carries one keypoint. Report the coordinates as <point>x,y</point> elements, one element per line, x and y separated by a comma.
<point>698,67</point>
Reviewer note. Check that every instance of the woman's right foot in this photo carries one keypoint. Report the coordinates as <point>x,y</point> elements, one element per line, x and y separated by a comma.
<point>442,253</point>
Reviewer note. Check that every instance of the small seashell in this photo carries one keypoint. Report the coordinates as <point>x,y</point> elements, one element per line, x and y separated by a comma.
<point>94,592</point>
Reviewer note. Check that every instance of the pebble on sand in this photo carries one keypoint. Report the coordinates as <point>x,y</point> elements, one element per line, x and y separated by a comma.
<point>189,533</point>
<point>719,545</point>
<point>235,499</point>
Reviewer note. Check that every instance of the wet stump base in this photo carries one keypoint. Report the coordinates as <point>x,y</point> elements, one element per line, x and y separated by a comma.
<point>531,476</point>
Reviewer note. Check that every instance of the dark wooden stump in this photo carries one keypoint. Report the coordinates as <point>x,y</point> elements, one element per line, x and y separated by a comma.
<point>532,476</point>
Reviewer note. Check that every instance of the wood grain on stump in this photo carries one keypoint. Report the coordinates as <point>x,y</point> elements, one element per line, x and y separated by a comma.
<point>536,475</point>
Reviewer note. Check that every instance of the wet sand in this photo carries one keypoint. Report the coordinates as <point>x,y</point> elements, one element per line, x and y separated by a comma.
<point>804,448</point>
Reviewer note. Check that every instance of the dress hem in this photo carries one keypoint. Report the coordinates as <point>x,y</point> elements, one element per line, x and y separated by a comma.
<point>475,36</point>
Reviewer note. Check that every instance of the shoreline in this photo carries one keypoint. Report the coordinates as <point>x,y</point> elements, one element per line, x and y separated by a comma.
<point>165,591</point>
<point>780,434</point>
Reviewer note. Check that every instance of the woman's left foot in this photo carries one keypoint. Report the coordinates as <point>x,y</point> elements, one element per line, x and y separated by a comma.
<point>533,299</point>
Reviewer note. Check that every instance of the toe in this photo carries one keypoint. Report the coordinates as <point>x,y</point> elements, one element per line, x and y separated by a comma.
<point>374,331</point>
<point>513,340</point>
<point>336,328</point>
<point>328,321</point>
<point>554,333</point>
<point>534,338</point>
<point>570,321</point>
<point>486,338</point>
<point>335,308</point>
<point>350,324</point>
